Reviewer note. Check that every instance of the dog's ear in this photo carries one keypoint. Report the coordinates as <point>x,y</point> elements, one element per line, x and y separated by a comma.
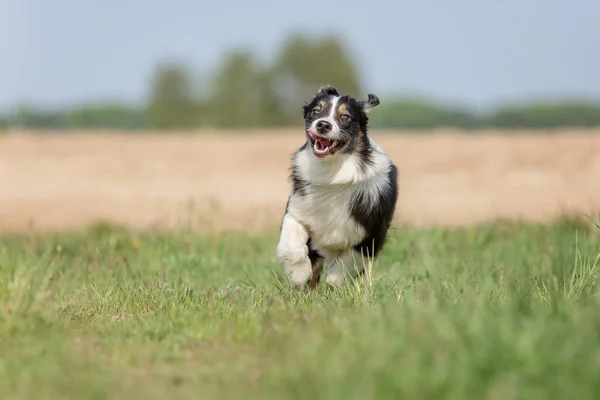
<point>372,101</point>
<point>328,90</point>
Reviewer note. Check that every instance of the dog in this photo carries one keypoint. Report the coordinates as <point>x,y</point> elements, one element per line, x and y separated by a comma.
<point>343,195</point>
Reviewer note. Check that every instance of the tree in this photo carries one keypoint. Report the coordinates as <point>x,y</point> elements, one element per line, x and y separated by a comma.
<point>420,113</point>
<point>303,64</point>
<point>171,101</point>
<point>546,114</point>
<point>27,116</point>
<point>243,93</point>
<point>109,115</point>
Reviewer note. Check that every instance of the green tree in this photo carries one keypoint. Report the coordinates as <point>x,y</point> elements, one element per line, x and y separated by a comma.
<point>27,116</point>
<point>303,64</point>
<point>172,103</point>
<point>243,93</point>
<point>108,116</point>
<point>270,102</point>
<point>234,96</point>
<point>418,113</point>
<point>545,115</point>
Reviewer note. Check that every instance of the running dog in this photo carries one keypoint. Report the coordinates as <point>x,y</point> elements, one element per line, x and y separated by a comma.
<point>343,195</point>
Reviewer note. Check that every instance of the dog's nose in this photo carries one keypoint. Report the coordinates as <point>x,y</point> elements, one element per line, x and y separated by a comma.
<point>323,126</point>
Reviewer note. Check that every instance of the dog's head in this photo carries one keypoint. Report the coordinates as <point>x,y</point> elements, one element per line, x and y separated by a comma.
<point>334,123</point>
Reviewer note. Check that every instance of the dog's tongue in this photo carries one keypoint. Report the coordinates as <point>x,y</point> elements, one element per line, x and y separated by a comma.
<point>324,143</point>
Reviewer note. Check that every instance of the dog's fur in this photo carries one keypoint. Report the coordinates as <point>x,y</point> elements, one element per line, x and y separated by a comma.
<point>343,196</point>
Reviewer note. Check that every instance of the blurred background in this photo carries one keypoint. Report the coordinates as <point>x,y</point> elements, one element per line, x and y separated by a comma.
<point>469,91</point>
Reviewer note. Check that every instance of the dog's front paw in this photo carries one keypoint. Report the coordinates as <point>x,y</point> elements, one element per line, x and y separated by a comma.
<point>296,264</point>
<point>299,275</point>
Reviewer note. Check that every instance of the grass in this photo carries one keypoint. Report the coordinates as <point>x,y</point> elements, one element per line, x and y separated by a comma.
<point>498,311</point>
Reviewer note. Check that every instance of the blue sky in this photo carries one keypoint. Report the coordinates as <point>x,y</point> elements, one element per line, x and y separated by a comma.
<point>55,52</point>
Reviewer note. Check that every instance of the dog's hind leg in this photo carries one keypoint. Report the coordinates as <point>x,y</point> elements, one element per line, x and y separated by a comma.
<point>347,265</point>
<point>317,270</point>
<point>316,261</point>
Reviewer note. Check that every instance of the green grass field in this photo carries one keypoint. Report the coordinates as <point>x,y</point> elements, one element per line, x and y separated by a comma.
<point>498,311</point>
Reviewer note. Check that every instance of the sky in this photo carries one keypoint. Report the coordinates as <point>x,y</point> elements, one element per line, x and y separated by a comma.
<point>479,53</point>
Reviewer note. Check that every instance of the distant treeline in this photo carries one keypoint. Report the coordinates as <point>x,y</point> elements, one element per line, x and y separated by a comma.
<point>421,115</point>
<point>400,114</point>
<point>243,92</point>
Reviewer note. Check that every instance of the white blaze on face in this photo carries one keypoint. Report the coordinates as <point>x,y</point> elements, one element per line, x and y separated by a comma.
<point>334,134</point>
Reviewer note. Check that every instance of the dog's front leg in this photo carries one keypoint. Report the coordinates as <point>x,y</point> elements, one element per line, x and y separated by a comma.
<point>292,251</point>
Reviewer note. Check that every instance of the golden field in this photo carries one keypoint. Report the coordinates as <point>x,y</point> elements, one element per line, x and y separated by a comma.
<point>238,180</point>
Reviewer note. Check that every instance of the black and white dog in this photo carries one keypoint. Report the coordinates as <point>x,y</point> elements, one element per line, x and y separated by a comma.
<point>344,192</point>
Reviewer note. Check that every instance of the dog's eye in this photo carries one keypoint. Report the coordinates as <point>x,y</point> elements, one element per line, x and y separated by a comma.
<point>345,118</point>
<point>315,111</point>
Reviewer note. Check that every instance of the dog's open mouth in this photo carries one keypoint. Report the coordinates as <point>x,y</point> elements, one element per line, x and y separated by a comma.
<point>321,146</point>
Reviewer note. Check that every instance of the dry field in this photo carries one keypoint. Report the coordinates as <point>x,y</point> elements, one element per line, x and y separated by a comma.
<point>153,315</point>
<point>213,180</point>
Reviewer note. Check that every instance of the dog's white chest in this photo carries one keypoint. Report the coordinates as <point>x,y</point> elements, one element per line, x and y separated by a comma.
<point>326,213</point>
